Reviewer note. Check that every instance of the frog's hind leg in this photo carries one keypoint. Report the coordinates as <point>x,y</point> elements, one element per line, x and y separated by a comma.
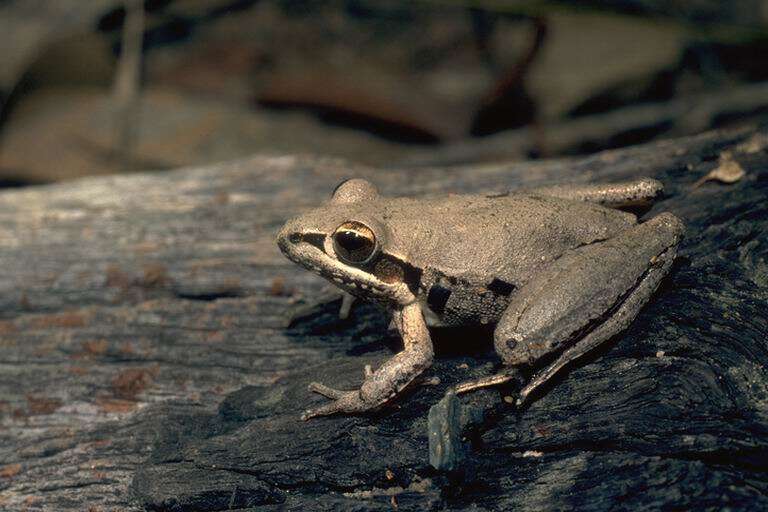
<point>618,320</point>
<point>586,297</point>
<point>614,195</point>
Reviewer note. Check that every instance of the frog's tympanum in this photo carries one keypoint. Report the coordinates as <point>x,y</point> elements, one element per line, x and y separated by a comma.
<point>557,270</point>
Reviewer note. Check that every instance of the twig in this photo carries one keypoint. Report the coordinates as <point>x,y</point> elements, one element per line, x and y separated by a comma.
<point>127,83</point>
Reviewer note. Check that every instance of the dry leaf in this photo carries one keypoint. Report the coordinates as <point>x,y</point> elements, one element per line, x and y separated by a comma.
<point>727,171</point>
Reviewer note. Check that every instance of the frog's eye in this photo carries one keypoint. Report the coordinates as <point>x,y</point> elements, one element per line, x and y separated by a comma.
<point>354,243</point>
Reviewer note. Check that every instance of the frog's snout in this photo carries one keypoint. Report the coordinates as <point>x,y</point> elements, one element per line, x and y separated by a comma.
<point>287,236</point>
<point>298,243</point>
<point>288,240</point>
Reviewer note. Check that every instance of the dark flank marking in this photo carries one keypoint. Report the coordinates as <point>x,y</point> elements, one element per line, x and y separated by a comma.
<point>437,298</point>
<point>500,287</point>
<point>389,271</point>
<point>495,195</point>
<point>316,239</point>
<point>411,275</point>
<point>412,278</point>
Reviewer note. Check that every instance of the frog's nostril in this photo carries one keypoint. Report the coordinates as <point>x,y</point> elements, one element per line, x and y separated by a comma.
<point>511,344</point>
<point>294,238</point>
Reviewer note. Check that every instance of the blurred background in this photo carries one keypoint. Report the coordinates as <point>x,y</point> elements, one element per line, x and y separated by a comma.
<point>105,86</point>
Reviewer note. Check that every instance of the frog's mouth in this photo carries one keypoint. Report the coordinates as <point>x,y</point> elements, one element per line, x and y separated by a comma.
<point>309,251</point>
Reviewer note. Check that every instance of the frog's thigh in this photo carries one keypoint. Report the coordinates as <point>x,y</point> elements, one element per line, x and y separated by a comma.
<point>587,295</point>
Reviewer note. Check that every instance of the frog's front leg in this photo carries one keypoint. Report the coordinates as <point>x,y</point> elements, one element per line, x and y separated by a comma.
<point>586,297</point>
<point>387,381</point>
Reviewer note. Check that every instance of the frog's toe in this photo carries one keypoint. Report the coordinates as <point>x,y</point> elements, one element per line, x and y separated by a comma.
<point>312,413</point>
<point>328,392</point>
<point>347,402</point>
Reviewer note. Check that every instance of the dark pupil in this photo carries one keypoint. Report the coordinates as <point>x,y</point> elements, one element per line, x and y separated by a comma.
<point>352,246</point>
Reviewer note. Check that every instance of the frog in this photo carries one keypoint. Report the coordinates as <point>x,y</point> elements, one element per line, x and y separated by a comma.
<point>555,271</point>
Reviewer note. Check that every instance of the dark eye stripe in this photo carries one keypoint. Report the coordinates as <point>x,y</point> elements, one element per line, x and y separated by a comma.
<point>316,239</point>
<point>410,275</point>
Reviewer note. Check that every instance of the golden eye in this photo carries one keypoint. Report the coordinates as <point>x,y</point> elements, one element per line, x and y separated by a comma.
<point>354,243</point>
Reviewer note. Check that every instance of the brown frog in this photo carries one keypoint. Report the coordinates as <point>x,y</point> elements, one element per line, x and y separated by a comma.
<point>558,270</point>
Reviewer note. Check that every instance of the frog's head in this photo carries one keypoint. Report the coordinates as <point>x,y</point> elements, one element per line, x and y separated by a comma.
<point>346,243</point>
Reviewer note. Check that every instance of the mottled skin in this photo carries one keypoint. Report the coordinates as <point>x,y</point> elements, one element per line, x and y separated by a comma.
<point>556,269</point>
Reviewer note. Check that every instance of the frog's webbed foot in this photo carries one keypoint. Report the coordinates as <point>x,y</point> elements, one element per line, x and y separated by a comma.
<point>326,391</point>
<point>343,402</point>
<point>382,385</point>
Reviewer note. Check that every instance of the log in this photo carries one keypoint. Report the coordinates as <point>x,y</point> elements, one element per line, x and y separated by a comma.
<point>604,130</point>
<point>146,363</point>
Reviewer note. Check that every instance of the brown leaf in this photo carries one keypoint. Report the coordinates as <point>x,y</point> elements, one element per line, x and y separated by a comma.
<point>727,171</point>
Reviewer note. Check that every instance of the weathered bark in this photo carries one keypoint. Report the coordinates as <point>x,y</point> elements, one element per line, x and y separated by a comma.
<point>145,361</point>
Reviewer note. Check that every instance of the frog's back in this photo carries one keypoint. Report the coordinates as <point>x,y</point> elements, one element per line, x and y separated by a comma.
<point>479,238</point>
